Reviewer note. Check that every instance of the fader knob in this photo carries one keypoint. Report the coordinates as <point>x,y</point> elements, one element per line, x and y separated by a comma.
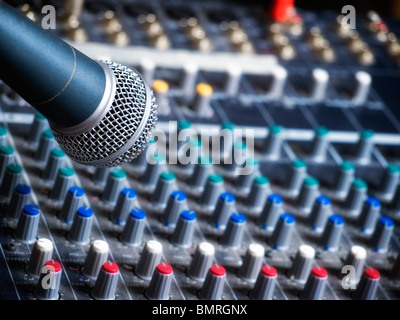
<point>19,199</point>
<point>356,258</point>
<point>125,203</point>
<point>333,232</point>
<point>315,285</point>
<point>165,185</point>
<point>368,285</point>
<point>283,232</point>
<point>64,180</point>
<point>259,192</point>
<point>132,234</point>
<point>28,223</point>
<point>202,261</point>
<point>73,200</point>
<point>271,212</point>
<point>106,283</point>
<point>308,193</point>
<point>273,143</point>
<point>225,207</point>
<point>95,259</point>
<point>356,197</point>
<point>81,226</point>
<point>46,143</point>
<point>160,283</point>
<point>184,230</point>
<point>116,181</point>
<point>362,87</point>
<point>265,284</point>
<point>297,173</point>
<point>302,263</point>
<point>175,205</point>
<point>365,146</point>
<point>252,262</point>
<point>42,252</point>
<point>49,281</point>
<point>12,176</point>
<point>212,190</point>
<point>320,213</point>
<point>54,163</point>
<point>320,144</point>
<point>149,259</point>
<point>233,234</point>
<point>369,215</point>
<point>7,156</point>
<point>213,284</point>
<point>383,232</point>
<point>344,179</point>
<point>38,126</point>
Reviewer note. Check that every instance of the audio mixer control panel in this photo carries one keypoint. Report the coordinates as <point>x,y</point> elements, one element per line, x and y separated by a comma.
<point>317,217</point>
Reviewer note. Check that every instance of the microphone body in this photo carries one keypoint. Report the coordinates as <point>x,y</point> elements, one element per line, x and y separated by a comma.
<point>101,113</point>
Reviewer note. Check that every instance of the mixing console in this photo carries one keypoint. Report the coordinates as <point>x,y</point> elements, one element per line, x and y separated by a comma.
<point>315,217</point>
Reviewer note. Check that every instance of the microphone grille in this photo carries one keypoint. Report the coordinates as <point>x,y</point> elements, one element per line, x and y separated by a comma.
<point>122,134</point>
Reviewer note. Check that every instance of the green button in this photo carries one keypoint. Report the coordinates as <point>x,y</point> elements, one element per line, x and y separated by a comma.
<point>168,176</point>
<point>48,134</point>
<point>366,134</point>
<point>66,171</point>
<point>298,164</point>
<point>228,125</point>
<point>7,150</point>
<point>347,166</point>
<point>275,129</point>
<point>57,152</point>
<point>311,181</point>
<point>3,131</point>
<point>393,168</point>
<point>39,116</point>
<point>321,131</point>
<point>215,178</point>
<point>359,184</point>
<point>261,180</point>
<point>14,168</point>
<point>118,173</point>
<point>183,124</point>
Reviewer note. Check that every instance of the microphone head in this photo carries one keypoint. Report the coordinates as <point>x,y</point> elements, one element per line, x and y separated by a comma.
<point>121,127</point>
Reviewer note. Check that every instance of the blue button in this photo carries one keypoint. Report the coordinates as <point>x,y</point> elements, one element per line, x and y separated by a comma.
<point>386,221</point>
<point>178,195</point>
<point>373,202</point>
<point>336,219</point>
<point>85,212</point>
<point>138,213</point>
<point>227,196</point>
<point>23,189</point>
<point>31,210</point>
<point>77,191</point>
<point>323,200</point>
<point>287,217</point>
<point>188,215</point>
<point>128,192</point>
<point>238,218</point>
<point>275,198</point>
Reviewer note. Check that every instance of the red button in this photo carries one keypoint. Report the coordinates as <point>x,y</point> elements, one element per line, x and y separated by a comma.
<point>319,272</point>
<point>53,265</point>
<point>269,271</point>
<point>164,268</point>
<point>282,10</point>
<point>217,270</point>
<point>110,267</point>
<point>372,273</point>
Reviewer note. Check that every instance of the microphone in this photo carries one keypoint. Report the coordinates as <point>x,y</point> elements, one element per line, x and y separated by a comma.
<point>100,112</point>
